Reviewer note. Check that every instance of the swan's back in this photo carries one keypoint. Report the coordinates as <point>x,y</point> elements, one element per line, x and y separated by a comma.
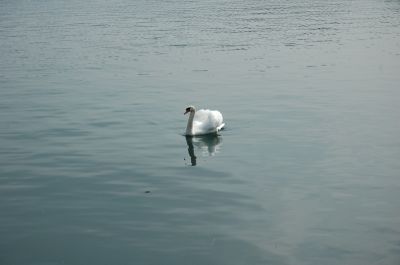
<point>207,121</point>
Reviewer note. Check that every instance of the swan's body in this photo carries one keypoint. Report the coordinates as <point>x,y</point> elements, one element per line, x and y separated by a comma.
<point>203,121</point>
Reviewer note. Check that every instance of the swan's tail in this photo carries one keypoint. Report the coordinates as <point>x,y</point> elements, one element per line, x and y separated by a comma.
<point>221,127</point>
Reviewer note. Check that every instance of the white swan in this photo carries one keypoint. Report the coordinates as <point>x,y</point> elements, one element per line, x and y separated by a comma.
<point>203,121</point>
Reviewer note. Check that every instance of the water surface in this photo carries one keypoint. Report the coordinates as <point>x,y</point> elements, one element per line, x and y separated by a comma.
<point>94,168</point>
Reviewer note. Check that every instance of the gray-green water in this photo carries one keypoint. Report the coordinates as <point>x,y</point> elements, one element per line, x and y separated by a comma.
<point>93,166</point>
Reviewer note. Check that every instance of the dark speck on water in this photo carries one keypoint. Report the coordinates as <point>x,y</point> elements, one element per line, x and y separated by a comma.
<point>91,99</point>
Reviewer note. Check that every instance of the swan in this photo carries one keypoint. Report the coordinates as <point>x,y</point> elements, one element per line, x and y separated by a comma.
<point>203,121</point>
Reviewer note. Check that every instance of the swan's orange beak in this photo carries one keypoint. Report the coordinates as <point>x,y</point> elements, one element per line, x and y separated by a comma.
<point>186,112</point>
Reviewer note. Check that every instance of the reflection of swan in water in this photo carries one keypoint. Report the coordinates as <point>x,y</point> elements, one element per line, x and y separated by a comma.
<point>207,145</point>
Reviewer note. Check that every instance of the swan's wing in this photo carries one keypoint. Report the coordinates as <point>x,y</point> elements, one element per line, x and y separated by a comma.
<point>201,115</point>
<point>207,121</point>
<point>216,120</point>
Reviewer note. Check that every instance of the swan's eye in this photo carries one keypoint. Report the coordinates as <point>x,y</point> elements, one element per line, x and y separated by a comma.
<point>187,109</point>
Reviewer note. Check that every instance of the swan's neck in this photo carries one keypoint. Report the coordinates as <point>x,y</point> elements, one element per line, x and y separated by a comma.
<point>189,127</point>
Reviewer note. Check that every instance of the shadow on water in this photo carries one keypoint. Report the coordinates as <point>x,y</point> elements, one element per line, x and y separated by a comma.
<point>206,145</point>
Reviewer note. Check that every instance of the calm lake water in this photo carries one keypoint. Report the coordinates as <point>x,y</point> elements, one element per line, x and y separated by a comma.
<point>94,168</point>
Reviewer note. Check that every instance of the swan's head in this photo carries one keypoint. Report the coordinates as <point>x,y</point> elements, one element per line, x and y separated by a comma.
<point>189,109</point>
